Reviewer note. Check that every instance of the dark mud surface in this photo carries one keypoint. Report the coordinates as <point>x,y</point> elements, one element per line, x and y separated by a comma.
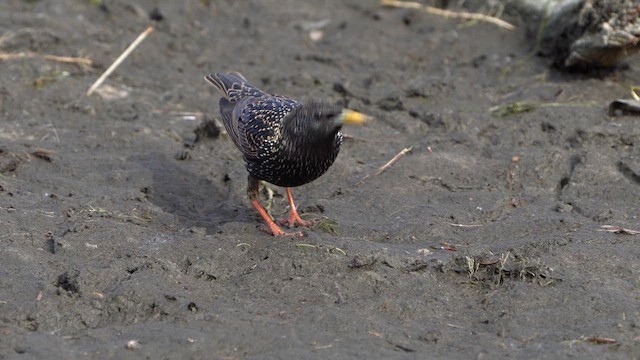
<point>118,226</point>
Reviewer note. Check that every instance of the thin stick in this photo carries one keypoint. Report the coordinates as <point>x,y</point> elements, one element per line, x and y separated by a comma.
<point>618,230</point>
<point>362,180</point>
<point>64,59</point>
<point>448,13</point>
<point>634,94</point>
<point>601,340</point>
<point>393,160</point>
<point>119,60</point>
<point>466,225</point>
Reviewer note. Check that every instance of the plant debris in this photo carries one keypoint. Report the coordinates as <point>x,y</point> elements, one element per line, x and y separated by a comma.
<point>601,340</point>
<point>448,13</point>
<point>618,230</point>
<point>621,107</point>
<point>119,60</point>
<point>513,108</point>
<point>43,154</point>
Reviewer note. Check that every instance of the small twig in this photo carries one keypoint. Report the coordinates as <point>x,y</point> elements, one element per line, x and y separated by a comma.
<point>393,160</point>
<point>119,60</point>
<point>64,59</point>
<point>306,246</point>
<point>444,246</point>
<point>335,248</point>
<point>44,154</point>
<point>634,92</point>
<point>384,167</point>
<point>455,326</point>
<point>362,180</point>
<point>448,13</point>
<point>618,230</point>
<point>329,249</point>
<point>601,340</point>
<point>466,225</point>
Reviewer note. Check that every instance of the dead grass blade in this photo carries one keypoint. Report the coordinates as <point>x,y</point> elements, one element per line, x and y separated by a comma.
<point>601,340</point>
<point>388,164</point>
<point>393,160</point>
<point>64,59</point>
<point>448,13</point>
<point>618,230</point>
<point>466,225</point>
<point>120,59</point>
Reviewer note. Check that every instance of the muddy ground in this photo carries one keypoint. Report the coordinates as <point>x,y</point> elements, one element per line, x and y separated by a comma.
<point>482,242</point>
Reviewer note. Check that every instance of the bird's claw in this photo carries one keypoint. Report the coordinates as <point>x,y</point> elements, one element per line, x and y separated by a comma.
<point>276,231</point>
<point>294,219</point>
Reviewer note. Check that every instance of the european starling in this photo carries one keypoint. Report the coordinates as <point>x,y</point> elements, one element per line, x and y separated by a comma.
<point>283,141</point>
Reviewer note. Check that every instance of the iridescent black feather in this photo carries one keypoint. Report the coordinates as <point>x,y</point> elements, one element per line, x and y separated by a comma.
<point>283,141</point>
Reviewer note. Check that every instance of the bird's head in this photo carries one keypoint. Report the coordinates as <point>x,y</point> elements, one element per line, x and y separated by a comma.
<point>322,120</point>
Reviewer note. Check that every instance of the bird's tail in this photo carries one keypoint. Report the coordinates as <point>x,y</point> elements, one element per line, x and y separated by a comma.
<point>231,85</point>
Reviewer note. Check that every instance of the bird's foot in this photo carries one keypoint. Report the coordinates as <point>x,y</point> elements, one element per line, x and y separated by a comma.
<point>271,227</point>
<point>276,231</point>
<point>294,219</point>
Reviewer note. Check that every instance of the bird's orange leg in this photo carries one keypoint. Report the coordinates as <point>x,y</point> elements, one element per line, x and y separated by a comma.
<point>271,228</point>
<point>293,218</point>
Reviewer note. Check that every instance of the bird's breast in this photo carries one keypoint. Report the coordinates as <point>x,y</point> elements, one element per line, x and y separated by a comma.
<point>290,166</point>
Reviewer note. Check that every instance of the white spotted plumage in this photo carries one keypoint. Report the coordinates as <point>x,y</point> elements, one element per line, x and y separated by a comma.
<point>279,140</point>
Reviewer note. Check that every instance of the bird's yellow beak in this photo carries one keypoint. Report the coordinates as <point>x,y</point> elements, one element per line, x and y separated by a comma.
<point>354,117</point>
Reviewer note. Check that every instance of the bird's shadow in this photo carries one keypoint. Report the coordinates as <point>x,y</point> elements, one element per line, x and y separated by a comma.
<point>194,200</point>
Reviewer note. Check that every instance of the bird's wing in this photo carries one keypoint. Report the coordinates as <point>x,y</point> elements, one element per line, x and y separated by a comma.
<point>230,120</point>
<point>238,94</point>
<point>259,122</point>
<point>234,86</point>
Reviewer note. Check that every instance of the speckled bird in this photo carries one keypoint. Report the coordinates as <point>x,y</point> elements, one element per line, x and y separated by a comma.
<point>283,141</point>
